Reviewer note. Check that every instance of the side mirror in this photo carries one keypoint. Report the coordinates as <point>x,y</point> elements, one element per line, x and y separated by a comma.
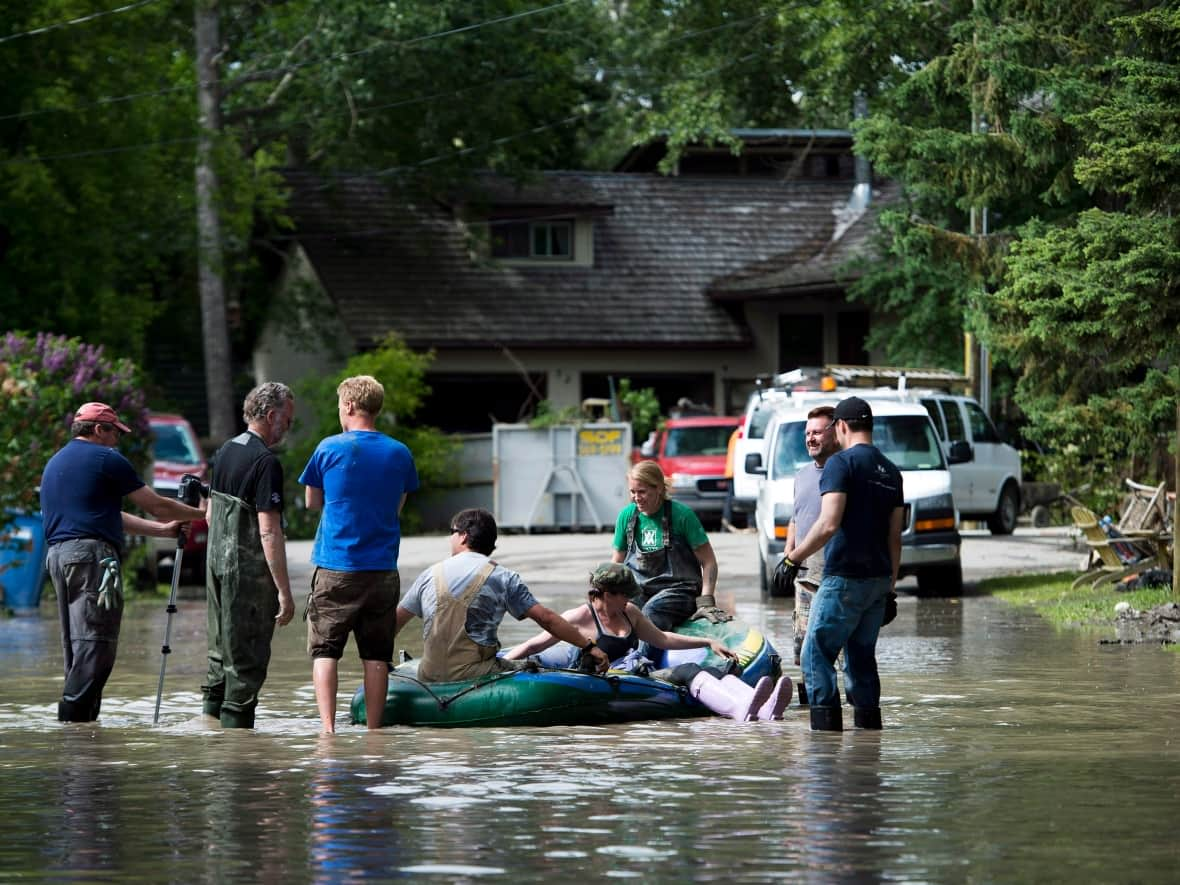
<point>648,449</point>
<point>960,452</point>
<point>754,464</point>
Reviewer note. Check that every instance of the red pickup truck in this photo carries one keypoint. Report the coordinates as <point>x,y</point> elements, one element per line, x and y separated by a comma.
<point>691,452</point>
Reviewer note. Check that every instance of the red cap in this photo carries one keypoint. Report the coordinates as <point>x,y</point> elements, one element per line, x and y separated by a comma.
<point>100,412</point>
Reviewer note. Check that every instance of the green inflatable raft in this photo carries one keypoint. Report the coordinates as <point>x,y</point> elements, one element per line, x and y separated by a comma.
<point>567,697</point>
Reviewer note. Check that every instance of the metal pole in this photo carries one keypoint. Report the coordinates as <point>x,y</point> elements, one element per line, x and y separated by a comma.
<point>165,650</point>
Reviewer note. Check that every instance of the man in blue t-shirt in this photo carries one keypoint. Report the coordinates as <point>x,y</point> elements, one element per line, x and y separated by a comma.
<point>359,479</point>
<point>860,522</point>
<point>82,491</point>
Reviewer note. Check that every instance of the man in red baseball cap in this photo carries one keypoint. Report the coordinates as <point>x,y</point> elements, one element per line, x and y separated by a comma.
<point>100,413</point>
<point>82,491</point>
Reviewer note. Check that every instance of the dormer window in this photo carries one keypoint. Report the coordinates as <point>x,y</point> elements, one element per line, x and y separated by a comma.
<point>541,240</point>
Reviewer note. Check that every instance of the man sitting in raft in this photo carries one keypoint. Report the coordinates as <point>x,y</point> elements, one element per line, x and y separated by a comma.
<point>617,625</point>
<point>462,601</point>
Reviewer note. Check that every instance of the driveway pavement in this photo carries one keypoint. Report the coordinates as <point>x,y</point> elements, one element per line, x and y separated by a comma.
<point>567,558</point>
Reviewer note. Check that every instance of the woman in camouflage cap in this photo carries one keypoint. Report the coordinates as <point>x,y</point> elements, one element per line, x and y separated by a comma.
<point>616,625</point>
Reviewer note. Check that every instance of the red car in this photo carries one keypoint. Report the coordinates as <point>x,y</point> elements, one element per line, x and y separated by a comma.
<point>691,452</point>
<point>176,452</point>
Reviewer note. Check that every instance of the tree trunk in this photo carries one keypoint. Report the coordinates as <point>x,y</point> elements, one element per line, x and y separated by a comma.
<point>214,328</point>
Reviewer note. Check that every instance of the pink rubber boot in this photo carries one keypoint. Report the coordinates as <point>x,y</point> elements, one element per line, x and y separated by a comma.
<point>755,697</point>
<point>780,698</point>
<point>722,698</point>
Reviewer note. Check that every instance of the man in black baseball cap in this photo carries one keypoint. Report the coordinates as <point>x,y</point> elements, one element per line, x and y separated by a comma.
<point>860,521</point>
<point>853,409</point>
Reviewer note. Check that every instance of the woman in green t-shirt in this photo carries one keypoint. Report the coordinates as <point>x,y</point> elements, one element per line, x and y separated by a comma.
<point>664,544</point>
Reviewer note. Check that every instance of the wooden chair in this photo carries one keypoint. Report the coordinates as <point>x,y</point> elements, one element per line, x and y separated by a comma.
<point>1113,559</point>
<point>1144,509</point>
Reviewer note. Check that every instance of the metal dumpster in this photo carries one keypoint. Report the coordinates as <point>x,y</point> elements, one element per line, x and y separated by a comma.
<point>569,476</point>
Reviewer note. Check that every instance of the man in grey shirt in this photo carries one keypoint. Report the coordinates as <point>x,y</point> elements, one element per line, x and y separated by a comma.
<point>820,438</point>
<point>462,601</point>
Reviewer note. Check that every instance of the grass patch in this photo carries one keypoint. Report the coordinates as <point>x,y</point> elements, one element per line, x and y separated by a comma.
<point>1051,597</point>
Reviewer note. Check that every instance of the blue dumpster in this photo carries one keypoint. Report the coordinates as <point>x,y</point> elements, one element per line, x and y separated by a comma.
<point>22,561</point>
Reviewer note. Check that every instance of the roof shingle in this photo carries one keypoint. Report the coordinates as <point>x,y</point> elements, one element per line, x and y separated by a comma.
<point>660,246</point>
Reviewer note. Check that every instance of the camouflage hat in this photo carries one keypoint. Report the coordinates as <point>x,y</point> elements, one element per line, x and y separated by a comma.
<point>614,576</point>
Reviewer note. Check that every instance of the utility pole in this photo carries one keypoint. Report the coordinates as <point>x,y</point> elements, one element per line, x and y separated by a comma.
<point>211,285</point>
<point>977,362</point>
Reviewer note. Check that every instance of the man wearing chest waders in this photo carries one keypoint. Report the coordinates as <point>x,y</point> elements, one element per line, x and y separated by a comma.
<point>247,588</point>
<point>462,601</point>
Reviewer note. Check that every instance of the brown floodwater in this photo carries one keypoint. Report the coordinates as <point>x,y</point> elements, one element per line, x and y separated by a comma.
<point>1012,753</point>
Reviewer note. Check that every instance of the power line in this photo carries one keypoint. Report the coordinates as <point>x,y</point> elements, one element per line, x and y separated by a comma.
<point>101,102</point>
<point>99,152</point>
<point>76,21</point>
<point>438,96</point>
<point>556,124</point>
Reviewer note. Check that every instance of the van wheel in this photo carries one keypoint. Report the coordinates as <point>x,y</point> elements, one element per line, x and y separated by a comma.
<point>941,580</point>
<point>1003,521</point>
<point>763,581</point>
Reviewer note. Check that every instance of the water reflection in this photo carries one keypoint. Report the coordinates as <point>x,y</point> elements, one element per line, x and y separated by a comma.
<point>355,832</point>
<point>842,818</point>
<point>84,833</point>
<point>1011,752</point>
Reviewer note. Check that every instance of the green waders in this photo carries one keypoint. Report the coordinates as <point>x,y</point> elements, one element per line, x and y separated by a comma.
<point>242,602</point>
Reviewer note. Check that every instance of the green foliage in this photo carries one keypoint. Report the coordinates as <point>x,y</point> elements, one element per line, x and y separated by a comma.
<point>1073,288</point>
<point>402,372</point>
<point>546,415</point>
<point>641,407</point>
<point>919,290</point>
<point>95,196</point>
<point>43,379</point>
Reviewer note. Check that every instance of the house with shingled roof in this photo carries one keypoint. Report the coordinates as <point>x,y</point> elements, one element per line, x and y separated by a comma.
<point>692,283</point>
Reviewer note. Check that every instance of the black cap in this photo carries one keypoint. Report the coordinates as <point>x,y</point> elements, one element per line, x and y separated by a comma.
<point>852,409</point>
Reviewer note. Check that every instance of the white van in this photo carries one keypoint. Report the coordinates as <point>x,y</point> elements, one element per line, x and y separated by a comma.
<point>789,389</point>
<point>985,470</point>
<point>759,410</point>
<point>905,434</point>
<point>986,478</point>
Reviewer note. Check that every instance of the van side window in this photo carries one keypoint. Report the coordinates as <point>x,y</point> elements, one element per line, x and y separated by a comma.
<point>955,430</point>
<point>981,425</point>
<point>935,416</point>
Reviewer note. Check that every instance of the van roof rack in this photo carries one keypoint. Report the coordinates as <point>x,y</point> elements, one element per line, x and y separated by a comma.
<point>850,376</point>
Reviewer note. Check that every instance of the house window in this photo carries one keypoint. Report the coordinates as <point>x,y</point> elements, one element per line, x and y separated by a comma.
<point>534,239</point>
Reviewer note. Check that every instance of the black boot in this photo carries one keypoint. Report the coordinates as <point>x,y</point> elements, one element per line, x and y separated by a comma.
<point>802,694</point>
<point>827,719</point>
<point>868,717</point>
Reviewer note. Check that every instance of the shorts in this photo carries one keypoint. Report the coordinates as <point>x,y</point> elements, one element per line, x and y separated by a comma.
<point>361,603</point>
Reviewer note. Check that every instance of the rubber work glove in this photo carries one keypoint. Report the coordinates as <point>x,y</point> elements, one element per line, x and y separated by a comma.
<point>110,591</point>
<point>707,608</point>
<point>890,608</point>
<point>786,573</point>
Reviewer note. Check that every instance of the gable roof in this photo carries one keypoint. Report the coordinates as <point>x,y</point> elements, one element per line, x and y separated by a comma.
<point>396,262</point>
